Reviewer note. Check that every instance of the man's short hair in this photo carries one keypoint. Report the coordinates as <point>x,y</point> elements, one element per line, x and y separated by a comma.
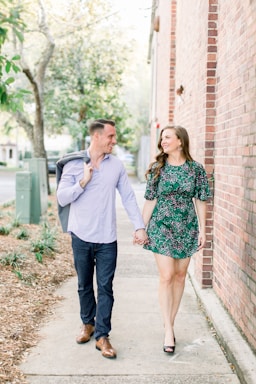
<point>99,125</point>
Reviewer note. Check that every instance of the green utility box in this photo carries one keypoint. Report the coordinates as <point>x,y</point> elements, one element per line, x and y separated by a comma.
<point>39,193</point>
<point>23,196</point>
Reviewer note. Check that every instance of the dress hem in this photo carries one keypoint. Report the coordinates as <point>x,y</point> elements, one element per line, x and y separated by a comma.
<point>164,254</point>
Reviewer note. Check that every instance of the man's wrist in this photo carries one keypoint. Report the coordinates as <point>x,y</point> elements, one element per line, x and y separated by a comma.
<point>82,184</point>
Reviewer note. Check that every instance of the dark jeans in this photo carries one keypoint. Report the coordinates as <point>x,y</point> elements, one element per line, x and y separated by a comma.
<point>103,256</point>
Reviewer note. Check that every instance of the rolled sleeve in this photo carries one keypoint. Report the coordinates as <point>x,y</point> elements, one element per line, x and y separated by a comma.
<point>69,188</point>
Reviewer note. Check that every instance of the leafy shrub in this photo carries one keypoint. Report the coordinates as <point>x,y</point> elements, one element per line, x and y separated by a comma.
<point>15,223</point>
<point>5,230</point>
<point>46,244</point>
<point>8,204</point>
<point>13,259</point>
<point>23,234</point>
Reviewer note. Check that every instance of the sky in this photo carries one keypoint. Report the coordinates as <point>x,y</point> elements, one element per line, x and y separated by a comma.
<point>136,16</point>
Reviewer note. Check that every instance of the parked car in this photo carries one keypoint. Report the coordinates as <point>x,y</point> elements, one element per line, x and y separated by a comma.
<point>129,159</point>
<point>51,161</point>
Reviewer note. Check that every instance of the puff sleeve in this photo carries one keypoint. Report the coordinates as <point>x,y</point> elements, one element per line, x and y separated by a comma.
<point>202,189</point>
<point>151,192</point>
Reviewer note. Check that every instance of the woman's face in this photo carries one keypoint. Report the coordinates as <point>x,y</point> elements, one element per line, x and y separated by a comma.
<point>169,141</point>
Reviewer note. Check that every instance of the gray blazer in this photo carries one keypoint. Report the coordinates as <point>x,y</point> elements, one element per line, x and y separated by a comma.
<point>63,212</point>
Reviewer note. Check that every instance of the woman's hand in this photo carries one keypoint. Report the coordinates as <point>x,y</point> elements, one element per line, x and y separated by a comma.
<point>140,237</point>
<point>201,241</point>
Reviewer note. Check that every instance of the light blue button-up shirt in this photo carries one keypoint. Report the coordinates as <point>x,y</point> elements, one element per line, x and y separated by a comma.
<point>92,215</point>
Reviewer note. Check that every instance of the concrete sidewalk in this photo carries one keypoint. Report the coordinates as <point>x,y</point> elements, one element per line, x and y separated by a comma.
<point>137,332</point>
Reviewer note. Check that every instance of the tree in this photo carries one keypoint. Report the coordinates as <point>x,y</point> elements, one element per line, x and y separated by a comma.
<point>10,22</point>
<point>35,75</point>
<point>87,80</point>
<point>85,77</point>
<point>36,78</point>
<point>80,78</point>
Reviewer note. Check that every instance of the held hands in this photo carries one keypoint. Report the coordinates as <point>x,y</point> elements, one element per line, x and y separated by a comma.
<point>140,237</point>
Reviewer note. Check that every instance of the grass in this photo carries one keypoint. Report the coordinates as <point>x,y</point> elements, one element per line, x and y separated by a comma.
<point>12,259</point>
<point>45,245</point>
<point>22,234</point>
<point>10,203</point>
<point>5,230</point>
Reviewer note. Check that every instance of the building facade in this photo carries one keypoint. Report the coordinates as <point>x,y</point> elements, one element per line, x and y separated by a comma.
<point>8,154</point>
<point>203,64</point>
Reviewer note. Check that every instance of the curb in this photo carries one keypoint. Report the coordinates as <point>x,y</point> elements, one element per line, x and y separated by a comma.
<point>237,349</point>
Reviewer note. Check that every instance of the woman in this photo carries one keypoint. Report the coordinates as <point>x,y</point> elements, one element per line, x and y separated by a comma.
<point>175,215</point>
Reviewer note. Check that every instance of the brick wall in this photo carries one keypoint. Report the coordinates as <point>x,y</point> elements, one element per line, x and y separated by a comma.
<point>235,164</point>
<point>195,70</point>
<point>215,62</point>
<point>213,56</point>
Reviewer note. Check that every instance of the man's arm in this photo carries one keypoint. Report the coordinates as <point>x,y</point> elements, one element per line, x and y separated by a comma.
<point>72,182</point>
<point>130,203</point>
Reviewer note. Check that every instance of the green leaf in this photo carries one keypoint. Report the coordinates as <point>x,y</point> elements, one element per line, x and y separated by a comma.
<point>4,98</point>
<point>8,66</point>
<point>3,35</point>
<point>25,92</point>
<point>18,34</point>
<point>9,80</point>
<point>39,257</point>
<point>16,57</point>
<point>15,68</point>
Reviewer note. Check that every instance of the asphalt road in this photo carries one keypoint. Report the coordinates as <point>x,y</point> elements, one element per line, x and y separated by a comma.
<point>7,185</point>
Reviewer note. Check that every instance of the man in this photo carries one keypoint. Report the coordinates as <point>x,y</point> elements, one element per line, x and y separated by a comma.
<point>90,190</point>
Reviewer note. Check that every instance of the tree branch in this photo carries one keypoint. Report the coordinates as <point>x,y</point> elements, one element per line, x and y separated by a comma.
<point>25,123</point>
<point>47,54</point>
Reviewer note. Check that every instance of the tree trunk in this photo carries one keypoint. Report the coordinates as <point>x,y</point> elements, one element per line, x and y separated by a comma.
<point>37,83</point>
<point>38,127</point>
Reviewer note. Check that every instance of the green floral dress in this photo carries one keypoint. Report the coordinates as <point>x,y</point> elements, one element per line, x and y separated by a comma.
<point>173,227</point>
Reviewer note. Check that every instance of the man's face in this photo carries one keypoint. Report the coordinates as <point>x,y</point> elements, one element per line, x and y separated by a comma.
<point>107,138</point>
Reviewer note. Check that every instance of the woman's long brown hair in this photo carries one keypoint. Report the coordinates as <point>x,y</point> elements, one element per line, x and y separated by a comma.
<point>157,165</point>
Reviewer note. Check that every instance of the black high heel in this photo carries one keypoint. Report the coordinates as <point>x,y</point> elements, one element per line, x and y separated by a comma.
<point>166,348</point>
<point>170,349</point>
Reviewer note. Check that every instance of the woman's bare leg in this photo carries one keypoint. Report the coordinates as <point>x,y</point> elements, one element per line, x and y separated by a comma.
<point>172,274</point>
<point>181,267</point>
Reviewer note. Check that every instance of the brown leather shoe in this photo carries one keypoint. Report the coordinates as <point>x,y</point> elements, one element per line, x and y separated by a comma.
<point>105,347</point>
<point>86,333</point>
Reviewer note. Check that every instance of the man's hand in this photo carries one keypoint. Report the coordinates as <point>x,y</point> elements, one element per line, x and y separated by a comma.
<point>88,170</point>
<point>140,237</point>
